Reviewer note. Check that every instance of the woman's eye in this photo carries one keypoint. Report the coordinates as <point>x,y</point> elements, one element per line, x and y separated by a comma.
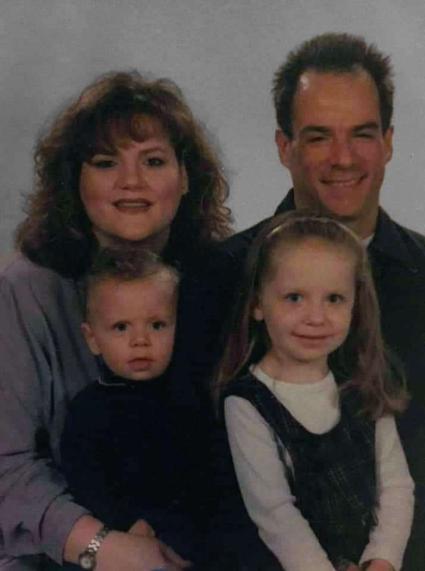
<point>120,326</point>
<point>158,325</point>
<point>102,163</point>
<point>155,161</point>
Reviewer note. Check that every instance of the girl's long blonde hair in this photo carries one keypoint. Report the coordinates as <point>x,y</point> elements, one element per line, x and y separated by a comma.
<point>362,361</point>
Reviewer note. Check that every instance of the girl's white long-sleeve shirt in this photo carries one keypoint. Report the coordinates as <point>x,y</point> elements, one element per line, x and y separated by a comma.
<point>266,491</point>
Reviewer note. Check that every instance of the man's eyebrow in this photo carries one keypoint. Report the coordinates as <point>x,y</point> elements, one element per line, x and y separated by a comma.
<point>371,125</point>
<point>310,129</point>
<point>321,129</point>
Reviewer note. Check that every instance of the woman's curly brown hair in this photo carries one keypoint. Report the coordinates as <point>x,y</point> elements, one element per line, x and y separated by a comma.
<point>57,232</point>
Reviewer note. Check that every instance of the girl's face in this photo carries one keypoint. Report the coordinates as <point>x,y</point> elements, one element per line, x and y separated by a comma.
<point>134,192</point>
<point>306,304</point>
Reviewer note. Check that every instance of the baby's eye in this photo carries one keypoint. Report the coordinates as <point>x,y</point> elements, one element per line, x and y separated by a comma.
<point>120,326</point>
<point>293,297</point>
<point>158,325</point>
<point>335,298</point>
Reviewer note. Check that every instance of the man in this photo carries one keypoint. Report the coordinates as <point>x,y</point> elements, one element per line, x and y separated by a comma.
<point>334,100</point>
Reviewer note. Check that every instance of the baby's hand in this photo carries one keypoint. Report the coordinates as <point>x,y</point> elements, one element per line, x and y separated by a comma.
<point>142,528</point>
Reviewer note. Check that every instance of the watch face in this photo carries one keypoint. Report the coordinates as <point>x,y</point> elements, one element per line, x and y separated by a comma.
<point>87,560</point>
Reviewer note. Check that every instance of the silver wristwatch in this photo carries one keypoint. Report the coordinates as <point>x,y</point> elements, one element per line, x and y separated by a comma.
<point>87,559</point>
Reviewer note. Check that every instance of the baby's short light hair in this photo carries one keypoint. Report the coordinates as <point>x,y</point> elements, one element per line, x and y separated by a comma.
<point>126,263</point>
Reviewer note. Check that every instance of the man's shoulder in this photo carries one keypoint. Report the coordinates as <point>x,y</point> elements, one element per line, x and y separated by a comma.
<point>413,237</point>
<point>412,240</point>
<point>237,245</point>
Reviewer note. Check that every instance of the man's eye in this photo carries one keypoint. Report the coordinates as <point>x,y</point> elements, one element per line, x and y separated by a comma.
<point>158,325</point>
<point>316,139</point>
<point>293,297</point>
<point>365,135</point>
<point>120,326</point>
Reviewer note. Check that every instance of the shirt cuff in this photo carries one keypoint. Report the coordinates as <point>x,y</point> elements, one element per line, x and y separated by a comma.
<point>58,521</point>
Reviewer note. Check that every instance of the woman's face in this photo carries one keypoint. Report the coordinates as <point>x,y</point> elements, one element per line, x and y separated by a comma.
<point>134,192</point>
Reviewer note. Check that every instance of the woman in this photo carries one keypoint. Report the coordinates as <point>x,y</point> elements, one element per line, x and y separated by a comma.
<point>125,162</point>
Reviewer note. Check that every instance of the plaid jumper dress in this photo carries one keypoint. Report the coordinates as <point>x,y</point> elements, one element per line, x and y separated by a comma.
<point>331,475</point>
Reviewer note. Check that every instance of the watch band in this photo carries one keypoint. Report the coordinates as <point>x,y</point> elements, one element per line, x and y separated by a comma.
<point>87,559</point>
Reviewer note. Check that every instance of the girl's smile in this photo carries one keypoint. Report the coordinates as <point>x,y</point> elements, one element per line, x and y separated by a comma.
<point>306,306</point>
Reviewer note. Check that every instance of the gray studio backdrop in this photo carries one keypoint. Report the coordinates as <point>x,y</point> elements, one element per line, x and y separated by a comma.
<point>223,54</point>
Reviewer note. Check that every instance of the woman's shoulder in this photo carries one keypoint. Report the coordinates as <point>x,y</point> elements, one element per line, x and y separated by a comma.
<point>33,290</point>
<point>21,273</point>
<point>18,267</point>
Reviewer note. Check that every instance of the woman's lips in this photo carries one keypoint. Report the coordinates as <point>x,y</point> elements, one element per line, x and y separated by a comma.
<point>132,205</point>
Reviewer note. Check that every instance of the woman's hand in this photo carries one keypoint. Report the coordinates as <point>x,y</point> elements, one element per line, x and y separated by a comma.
<point>142,528</point>
<point>129,552</point>
<point>137,551</point>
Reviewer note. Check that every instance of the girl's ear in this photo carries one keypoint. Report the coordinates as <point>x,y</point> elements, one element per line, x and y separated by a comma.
<point>90,338</point>
<point>257,311</point>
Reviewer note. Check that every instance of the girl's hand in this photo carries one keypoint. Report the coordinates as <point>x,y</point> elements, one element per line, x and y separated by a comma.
<point>378,565</point>
<point>350,567</point>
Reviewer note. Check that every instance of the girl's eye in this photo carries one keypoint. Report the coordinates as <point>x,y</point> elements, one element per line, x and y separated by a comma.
<point>120,326</point>
<point>293,297</point>
<point>158,325</point>
<point>335,298</point>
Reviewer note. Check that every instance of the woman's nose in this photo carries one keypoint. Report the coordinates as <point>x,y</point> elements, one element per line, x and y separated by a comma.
<point>130,176</point>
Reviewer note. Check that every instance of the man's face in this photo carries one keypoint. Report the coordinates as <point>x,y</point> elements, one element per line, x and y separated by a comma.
<point>338,152</point>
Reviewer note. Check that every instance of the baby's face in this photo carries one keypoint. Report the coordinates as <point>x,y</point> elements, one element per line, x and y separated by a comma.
<point>132,323</point>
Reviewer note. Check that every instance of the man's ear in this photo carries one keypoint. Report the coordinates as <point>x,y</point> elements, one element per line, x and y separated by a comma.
<point>283,144</point>
<point>388,142</point>
<point>185,180</point>
<point>90,338</point>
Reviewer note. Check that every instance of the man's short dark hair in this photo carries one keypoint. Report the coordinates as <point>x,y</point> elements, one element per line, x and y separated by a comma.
<point>334,53</point>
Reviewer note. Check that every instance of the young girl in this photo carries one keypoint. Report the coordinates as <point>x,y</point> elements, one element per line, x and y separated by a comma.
<point>310,425</point>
